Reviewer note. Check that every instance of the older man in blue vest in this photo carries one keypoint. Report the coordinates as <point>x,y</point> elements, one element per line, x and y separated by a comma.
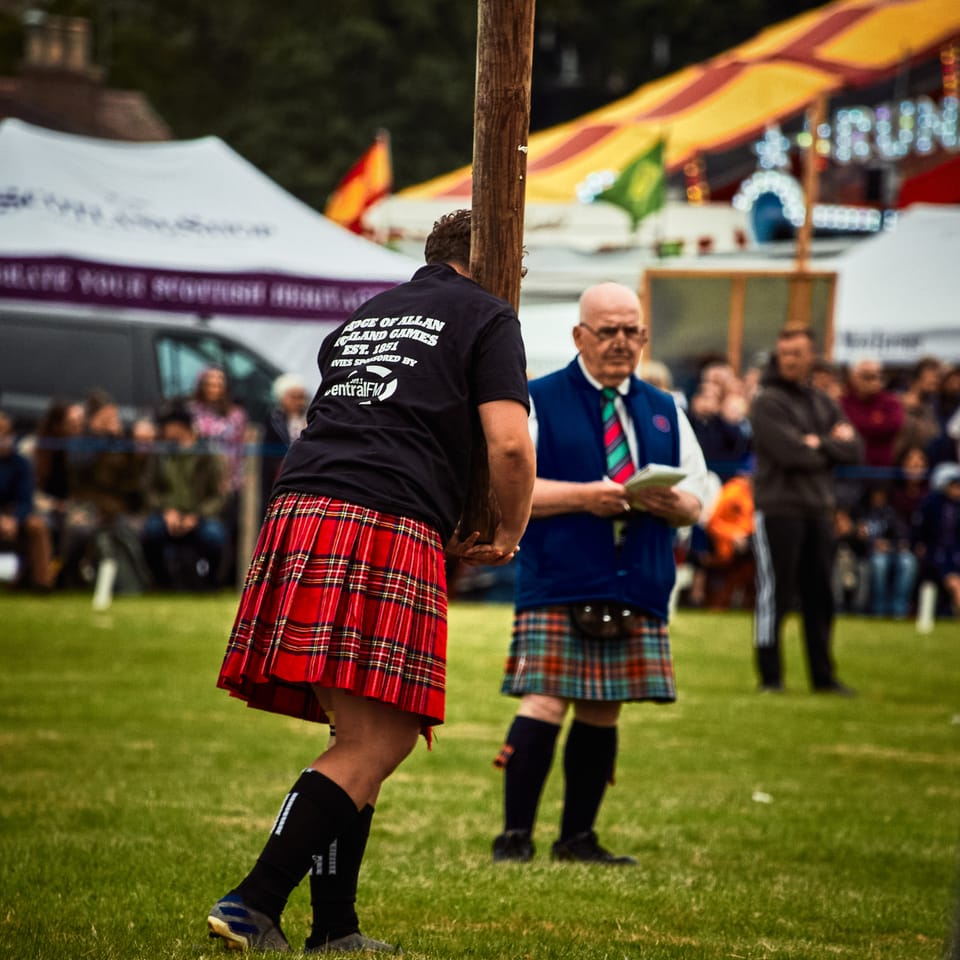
<point>595,573</point>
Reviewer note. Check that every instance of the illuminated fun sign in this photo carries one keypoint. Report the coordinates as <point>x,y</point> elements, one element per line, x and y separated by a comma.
<point>864,134</point>
<point>860,135</point>
<point>891,131</point>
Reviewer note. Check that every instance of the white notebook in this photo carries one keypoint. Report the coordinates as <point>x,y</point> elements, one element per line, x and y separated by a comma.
<point>655,475</point>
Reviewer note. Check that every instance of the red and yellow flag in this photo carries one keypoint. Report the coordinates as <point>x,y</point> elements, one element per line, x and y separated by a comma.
<point>369,179</point>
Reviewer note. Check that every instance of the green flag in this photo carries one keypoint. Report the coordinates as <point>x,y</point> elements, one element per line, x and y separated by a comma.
<point>641,187</point>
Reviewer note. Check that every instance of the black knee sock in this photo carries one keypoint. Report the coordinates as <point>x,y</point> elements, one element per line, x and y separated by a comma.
<point>333,883</point>
<point>525,759</point>
<point>588,760</point>
<point>315,811</point>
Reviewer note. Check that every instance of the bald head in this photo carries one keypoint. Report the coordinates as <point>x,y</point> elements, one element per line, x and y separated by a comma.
<point>604,298</point>
<point>611,333</point>
<point>866,377</point>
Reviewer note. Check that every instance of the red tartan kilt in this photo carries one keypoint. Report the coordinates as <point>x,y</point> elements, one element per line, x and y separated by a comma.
<point>344,597</point>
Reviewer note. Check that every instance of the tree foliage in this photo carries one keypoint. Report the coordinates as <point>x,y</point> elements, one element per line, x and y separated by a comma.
<point>299,88</point>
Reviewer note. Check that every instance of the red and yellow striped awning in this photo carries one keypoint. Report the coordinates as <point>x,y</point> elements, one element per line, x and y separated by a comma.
<point>730,99</point>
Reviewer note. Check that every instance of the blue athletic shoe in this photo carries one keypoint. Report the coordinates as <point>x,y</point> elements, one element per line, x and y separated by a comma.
<point>242,928</point>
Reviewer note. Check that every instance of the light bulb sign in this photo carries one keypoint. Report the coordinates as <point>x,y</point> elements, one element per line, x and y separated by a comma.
<point>859,135</point>
<point>771,197</point>
<point>890,131</point>
<point>862,135</point>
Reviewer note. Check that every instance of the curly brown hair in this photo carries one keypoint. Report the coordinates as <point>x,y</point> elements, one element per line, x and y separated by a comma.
<point>449,241</point>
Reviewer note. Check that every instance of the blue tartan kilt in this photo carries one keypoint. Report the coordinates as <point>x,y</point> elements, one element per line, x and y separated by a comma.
<point>549,656</point>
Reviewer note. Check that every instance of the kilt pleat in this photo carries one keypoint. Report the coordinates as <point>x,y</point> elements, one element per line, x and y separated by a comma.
<point>549,656</point>
<point>344,597</point>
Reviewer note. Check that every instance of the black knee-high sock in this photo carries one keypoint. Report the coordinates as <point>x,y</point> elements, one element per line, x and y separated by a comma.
<point>525,758</point>
<point>314,812</point>
<point>588,760</point>
<point>333,883</point>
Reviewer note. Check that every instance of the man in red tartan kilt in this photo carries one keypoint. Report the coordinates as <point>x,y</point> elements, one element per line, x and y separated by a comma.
<point>344,607</point>
<point>595,573</point>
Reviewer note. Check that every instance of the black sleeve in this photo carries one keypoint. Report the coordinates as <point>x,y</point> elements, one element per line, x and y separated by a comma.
<point>499,369</point>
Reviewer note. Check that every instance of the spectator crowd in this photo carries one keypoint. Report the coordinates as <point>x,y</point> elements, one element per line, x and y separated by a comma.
<point>160,495</point>
<point>897,521</point>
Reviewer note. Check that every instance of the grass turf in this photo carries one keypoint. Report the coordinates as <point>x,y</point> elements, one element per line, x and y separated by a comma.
<point>792,826</point>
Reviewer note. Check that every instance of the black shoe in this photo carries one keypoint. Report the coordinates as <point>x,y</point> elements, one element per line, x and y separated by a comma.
<point>513,845</point>
<point>584,848</point>
<point>353,943</point>
<point>837,688</point>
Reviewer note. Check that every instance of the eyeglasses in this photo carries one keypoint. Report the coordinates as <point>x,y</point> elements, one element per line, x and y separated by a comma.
<point>630,331</point>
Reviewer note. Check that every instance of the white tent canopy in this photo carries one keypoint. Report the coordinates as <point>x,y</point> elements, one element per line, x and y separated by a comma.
<point>580,226</point>
<point>548,334</point>
<point>181,226</point>
<point>187,228</point>
<point>898,293</point>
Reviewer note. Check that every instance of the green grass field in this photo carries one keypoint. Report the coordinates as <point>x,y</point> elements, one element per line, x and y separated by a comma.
<point>134,793</point>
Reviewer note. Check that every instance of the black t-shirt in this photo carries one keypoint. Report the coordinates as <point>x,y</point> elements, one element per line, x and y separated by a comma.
<point>390,427</point>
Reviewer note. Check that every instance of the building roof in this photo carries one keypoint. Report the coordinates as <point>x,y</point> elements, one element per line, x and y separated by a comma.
<point>58,87</point>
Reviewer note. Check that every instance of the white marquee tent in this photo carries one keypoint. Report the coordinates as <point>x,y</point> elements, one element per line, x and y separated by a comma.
<point>898,293</point>
<point>189,229</point>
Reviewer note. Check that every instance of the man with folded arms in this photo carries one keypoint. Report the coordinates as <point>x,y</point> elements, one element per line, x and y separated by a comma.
<point>800,435</point>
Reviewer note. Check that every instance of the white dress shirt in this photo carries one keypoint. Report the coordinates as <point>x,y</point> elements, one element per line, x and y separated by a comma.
<point>697,480</point>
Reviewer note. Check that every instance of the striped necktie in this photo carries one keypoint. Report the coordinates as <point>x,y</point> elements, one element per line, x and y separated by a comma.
<point>619,464</point>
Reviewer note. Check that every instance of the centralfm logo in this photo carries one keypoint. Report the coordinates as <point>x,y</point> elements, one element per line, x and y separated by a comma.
<point>374,382</point>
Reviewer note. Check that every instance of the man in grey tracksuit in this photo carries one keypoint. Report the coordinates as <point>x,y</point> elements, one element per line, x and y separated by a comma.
<point>799,435</point>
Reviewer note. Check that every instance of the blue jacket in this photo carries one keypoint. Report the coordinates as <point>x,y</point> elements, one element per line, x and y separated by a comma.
<point>572,557</point>
<point>16,485</point>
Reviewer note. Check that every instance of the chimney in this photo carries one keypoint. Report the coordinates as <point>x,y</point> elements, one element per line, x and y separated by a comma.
<point>58,86</point>
<point>77,53</point>
<point>58,43</point>
<point>33,23</point>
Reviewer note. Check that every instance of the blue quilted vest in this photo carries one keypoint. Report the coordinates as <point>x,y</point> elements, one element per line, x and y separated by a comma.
<point>573,557</point>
